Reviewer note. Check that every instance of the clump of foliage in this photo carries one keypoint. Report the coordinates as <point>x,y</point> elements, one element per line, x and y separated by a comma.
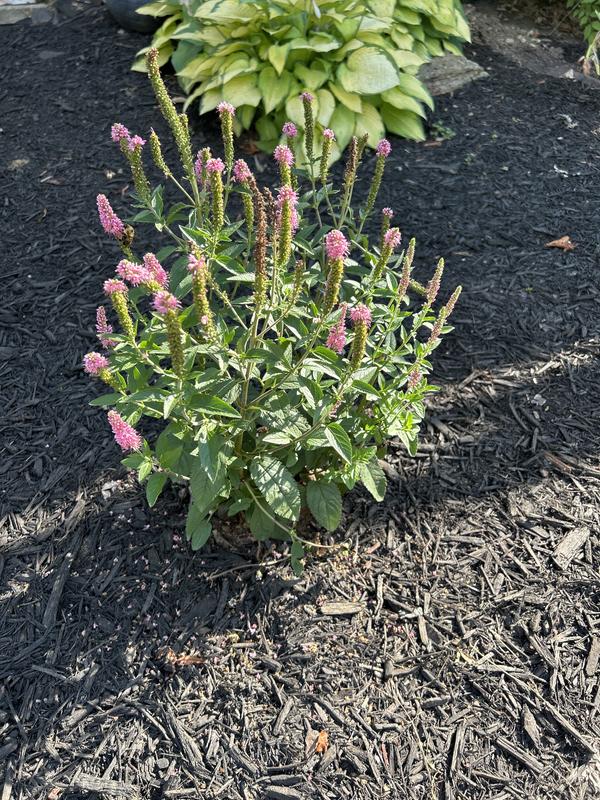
<point>587,14</point>
<point>271,363</point>
<point>359,58</point>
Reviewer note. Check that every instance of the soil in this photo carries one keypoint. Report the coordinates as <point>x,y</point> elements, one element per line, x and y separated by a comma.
<point>451,649</point>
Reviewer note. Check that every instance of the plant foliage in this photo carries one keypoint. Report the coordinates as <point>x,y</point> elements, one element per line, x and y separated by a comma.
<point>587,14</point>
<point>359,59</point>
<point>236,372</point>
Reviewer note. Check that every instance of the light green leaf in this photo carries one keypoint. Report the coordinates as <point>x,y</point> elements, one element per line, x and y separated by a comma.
<point>210,405</point>
<point>242,91</point>
<point>325,503</point>
<point>168,404</point>
<point>368,70</point>
<point>370,122</point>
<point>343,122</point>
<point>349,99</point>
<point>339,440</point>
<point>413,87</point>
<point>277,55</point>
<point>274,89</point>
<point>277,486</point>
<point>402,123</point>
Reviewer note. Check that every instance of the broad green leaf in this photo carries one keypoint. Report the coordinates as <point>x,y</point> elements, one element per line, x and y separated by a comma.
<point>106,399</point>
<point>339,440</point>
<point>368,70</point>
<point>373,477</point>
<point>154,487</point>
<point>296,558</point>
<point>402,123</point>
<point>274,89</point>
<point>325,503</point>
<point>242,91</point>
<point>168,404</point>
<point>277,486</point>
<point>351,100</point>
<point>413,87</point>
<point>206,488</point>
<point>261,525</point>
<point>277,55</point>
<point>197,527</point>
<point>398,98</point>
<point>370,122</point>
<point>210,405</point>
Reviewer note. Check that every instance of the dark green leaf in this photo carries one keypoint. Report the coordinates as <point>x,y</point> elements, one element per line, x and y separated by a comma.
<point>208,404</point>
<point>373,478</point>
<point>325,503</point>
<point>106,399</point>
<point>339,440</point>
<point>154,487</point>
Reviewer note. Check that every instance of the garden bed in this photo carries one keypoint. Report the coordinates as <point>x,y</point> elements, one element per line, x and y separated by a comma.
<point>452,648</point>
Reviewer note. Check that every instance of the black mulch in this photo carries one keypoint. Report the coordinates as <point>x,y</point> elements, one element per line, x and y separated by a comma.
<point>466,665</point>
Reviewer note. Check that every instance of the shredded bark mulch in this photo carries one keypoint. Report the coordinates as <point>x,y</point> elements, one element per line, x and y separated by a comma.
<point>451,647</point>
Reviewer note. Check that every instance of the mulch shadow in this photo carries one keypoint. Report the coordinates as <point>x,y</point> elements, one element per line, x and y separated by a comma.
<point>451,649</point>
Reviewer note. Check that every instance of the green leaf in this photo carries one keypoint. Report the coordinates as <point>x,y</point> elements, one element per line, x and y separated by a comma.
<point>277,55</point>
<point>373,478</point>
<point>168,404</point>
<point>106,399</point>
<point>154,487</point>
<point>274,89</point>
<point>368,70</point>
<point>277,486</point>
<point>197,527</point>
<point>402,123</point>
<point>339,440</point>
<point>211,404</point>
<point>297,557</point>
<point>349,99</point>
<point>325,503</point>
<point>204,487</point>
<point>261,526</point>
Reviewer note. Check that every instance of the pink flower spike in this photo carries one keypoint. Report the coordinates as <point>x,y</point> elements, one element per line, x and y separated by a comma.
<point>329,134</point>
<point>103,328</point>
<point>125,436</point>
<point>287,195</point>
<point>215,165</point>
<point>290,130</point>
<point>307,97</point>
<point>136,274</point>
<point>93,363</point>
<point>156,269</point>
<point>165,301</point>
<point>392,238</point>
<point>384,148</point>
<point>136,141</point>
<point>283,155</point>
<point>414,378</point>
<point>241,171</point>
<point>226,108</point>
<point>337,335</point>
<point>118,132</point>
<point>196,263</point>
<point>388,212</point>
<point>360,314</point>
<point>336,245</point>
<point>113,285</point>
<point>108,219</point>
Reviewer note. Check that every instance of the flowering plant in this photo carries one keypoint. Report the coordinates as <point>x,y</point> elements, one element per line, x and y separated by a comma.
<point>280,351</point>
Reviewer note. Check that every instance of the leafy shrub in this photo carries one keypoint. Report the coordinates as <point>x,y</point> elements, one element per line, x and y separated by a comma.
<point>259,394</point>
<point>359,59</point>
<point>587,14</point>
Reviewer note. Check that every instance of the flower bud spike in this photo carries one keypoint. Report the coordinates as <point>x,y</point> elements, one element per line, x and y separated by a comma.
<point>391,241</point>
<point>436,329</point>
<point>328,139</point>
<point>117,291</point>
<point>290,131</point>
<point>449,307</point>
<point>103,329</point>
<point>260,248</point>
<point>433,286</point>
<point>336,250</point>
<point>361,319</point>
<point>386,217</point>
<point>97,365</point>
<point>108,219</point>
<point>298,278</point>
<point>285,158</point>
<point>157,156</point>
<point>286,222</point>
<point>166,305</point>
<point>214,170</point>
<point>198,269</point>
<point>383,150</point>
<point>337,335</point>
<point>309,125</point>
<point>169,112</point>
<point>226,115</point>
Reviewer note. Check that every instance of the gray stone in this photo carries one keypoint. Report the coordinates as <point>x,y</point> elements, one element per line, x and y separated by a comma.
<point>448,73</point>
<point>38,12</point>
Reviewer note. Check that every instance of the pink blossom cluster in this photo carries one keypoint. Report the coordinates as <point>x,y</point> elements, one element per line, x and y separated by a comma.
<point>156,270</point>
<point>135,274</point>
<point>113,286</point>
<point>387,212</point>
<point>329,134</point>
<point>283,155</point>
<point>307,97</point>
<point>289,130</point>
<point>392,238</point>
<point>119,132</point>
<point>125,436</point>
<point>337,335</point>
<point>196,263</point>
<point>384,148</point>
<point>108,219</point>
<point>241,171</point>
<point>94,363</point>
<point>287,195</point>
<point>414,378</point>
<point>214,165</point>
<point>103,329</point>
<point>226,108</point>
<point>360,313</point>
<point>336,245</point>
<point>165,302</point>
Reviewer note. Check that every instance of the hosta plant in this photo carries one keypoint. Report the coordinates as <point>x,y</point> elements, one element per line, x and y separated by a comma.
<point>359,58</point>
<point>267,352</point>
